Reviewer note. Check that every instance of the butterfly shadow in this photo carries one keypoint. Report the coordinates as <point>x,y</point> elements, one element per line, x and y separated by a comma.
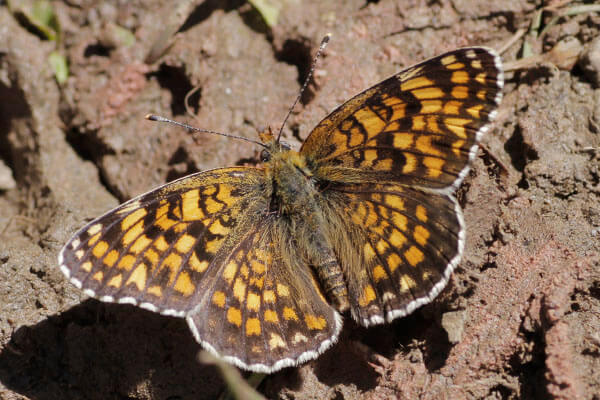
<point>343,364</point>
<point>97,350</point>
<point>355,360</point>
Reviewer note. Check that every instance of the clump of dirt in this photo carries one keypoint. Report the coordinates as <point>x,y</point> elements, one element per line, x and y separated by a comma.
<point>520,318</point>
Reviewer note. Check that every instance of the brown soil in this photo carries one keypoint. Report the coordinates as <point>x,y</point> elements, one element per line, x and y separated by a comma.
<point>521,316</point>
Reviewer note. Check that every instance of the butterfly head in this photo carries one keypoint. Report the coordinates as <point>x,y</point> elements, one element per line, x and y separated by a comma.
<point>271,145</point>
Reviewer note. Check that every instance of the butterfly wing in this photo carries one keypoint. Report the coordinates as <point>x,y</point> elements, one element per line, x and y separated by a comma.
<point>157,250</point>
<point>388,161</point>
<point>406,244</point>
<point>420,127</point>
<point>265,310</point>
<point>204,247</point>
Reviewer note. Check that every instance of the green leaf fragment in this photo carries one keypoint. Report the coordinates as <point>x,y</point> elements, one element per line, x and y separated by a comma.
<point>59,66</point>
<point>124,36</point>
<point>42,16</point>
<point>238,388</point>
<point>268,10</point>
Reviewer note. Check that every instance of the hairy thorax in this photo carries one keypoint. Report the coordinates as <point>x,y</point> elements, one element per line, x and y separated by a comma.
<point>294,190</point>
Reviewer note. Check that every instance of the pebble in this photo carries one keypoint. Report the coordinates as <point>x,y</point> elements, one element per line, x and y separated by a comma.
<point>7,181</point>
<point>590,61</point>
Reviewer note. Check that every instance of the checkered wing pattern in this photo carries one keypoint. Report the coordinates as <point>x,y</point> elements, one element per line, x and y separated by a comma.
<point>407,243</point>
<point>419,127</point>
<point>391,158</point>
<point>265,310</point>
<point>158,250</point>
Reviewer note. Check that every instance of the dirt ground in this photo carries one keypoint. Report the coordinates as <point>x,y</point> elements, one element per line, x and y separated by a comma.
<point>521,315</point>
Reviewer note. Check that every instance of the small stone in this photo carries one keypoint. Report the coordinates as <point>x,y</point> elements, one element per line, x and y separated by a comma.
<point>7,181</point>
<point>590,61</point>
<point>454,324</point>
<point>565,53</point>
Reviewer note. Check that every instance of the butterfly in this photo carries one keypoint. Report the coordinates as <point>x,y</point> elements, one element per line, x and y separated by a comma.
<point>264,262</point>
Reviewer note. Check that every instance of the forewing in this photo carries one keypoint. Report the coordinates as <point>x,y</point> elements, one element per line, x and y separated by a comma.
<point>265,310</point>
<point>406,242</point>
<point>157,250</point>
<point>419,127</point>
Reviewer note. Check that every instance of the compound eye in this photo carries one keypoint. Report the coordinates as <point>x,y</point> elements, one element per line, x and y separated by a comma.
<point>265,156</point>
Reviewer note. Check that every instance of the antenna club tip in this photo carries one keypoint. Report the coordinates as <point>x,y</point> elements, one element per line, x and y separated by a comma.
<point>150,117</point>
<point>326,38</point>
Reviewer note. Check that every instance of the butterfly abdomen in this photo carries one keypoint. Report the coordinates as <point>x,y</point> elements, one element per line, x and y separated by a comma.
<point>297,200</point>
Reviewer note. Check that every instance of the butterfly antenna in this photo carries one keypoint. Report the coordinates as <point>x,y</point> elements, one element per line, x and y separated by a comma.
<point>190,128</point>
<point>312,69</point>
